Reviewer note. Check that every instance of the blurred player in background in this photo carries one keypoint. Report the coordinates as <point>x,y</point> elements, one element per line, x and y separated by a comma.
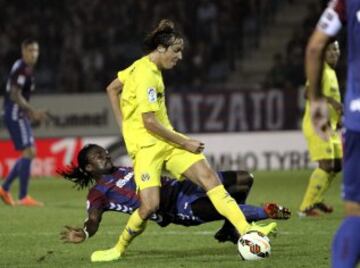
<point>346,243</point>
<point>328,154</point>
<point>18,114</point>
<point>182,203</point>
<point>152,142</point>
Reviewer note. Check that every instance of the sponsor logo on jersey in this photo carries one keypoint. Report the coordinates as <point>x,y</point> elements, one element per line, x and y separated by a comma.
<point>329,16</point>
<point>323,25</point>
<point>120,183</point>
<point>152,96</point>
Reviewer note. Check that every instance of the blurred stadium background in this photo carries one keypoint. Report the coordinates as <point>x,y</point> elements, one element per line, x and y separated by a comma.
<point>239,87</point>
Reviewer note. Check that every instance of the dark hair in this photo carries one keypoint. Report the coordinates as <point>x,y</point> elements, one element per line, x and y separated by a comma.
<point>77,173</point>
<point>28,41</point>
<point>164,34</point>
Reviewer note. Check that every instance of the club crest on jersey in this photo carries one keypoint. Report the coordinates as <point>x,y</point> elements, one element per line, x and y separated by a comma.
<point>152,96</point>
<point>145,177</point>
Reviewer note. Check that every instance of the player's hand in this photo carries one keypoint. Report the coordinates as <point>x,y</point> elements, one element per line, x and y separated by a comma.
<point>320,118</point>
<point>338,107</point>
<point>194,146</point>
<point>38,116</point>
<point>72,235</point>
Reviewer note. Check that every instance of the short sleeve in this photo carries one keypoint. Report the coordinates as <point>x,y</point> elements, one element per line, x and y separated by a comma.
<point>147,92</point>
<point>18,78</point>
<point>124,74</point>
<point>332,18</point>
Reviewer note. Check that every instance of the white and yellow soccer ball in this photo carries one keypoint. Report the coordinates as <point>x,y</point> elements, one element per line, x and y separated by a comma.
<point>254,246</point>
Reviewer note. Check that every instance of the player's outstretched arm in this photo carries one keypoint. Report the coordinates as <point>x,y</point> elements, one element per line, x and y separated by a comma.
<point>78,235</point>
<point>314,66</point>
<point>113,91</point>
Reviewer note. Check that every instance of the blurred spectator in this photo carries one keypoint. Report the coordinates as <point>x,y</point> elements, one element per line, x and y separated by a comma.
<point>295,68</point>
<point>276,77</point>
<point>85,42</point>
<point>290,72</point>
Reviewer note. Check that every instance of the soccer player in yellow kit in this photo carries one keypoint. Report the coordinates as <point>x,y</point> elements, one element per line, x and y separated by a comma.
<point>328,154</point>
<point>153,144</point>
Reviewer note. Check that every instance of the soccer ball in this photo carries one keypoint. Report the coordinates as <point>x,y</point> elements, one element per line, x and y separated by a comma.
<point>254,246</point>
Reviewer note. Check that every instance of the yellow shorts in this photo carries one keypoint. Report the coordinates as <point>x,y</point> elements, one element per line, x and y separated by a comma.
<point>150,161</point>
<point>320,149</point>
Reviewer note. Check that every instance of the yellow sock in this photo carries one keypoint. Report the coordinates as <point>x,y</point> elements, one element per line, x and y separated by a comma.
<point>318,184</point>
<point>135,226</point>
<point>321,195</point>
<point>227,206</point>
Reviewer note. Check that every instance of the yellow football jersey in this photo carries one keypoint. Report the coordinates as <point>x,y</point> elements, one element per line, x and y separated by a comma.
<point>143,91</point>
<point>330,88</point>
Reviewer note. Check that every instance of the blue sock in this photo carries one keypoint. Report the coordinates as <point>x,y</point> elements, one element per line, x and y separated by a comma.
<point>346,244</point>
<point>12,175</point>
<point>253,213</point>
<point>24,174</point>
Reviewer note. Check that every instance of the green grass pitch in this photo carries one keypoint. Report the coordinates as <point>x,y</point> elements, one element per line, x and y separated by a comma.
<point>29,237</point>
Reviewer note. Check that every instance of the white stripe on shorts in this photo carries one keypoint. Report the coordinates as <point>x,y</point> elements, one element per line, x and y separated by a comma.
<point>24,136</point>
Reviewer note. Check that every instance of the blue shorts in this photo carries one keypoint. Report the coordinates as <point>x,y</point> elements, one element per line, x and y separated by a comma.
<point>189,194</point>
<point>20,132</point>
<point>351,180</point>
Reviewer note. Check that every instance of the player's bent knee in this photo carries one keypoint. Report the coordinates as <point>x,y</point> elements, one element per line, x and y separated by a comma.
<point>208,177</point>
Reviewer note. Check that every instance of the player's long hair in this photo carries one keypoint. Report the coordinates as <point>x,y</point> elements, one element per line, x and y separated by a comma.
<point>164,34</point>
<point>77,173</point>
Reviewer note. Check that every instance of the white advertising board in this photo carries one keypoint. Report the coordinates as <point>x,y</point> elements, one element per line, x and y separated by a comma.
<point>283,150</point>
